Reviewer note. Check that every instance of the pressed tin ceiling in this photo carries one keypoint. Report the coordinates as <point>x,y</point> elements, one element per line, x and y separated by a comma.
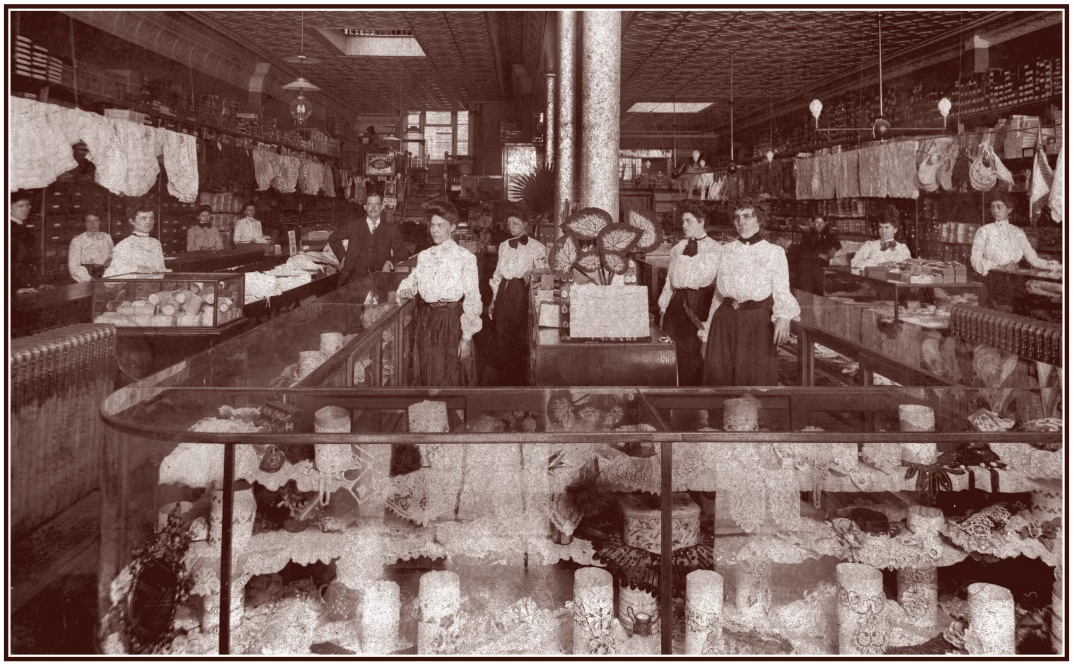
<point>667,56</point>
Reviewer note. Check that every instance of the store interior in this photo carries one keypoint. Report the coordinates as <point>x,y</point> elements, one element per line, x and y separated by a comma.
<point>172,489</point>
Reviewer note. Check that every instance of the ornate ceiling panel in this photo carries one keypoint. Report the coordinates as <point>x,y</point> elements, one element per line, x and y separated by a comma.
<point>667,56</point>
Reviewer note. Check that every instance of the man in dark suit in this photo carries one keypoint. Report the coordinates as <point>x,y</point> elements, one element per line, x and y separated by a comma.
<point>372,244</point>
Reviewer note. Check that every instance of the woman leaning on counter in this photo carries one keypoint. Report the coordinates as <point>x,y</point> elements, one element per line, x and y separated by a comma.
<point>448,309</point>
<point>1000,243</point>
<point>90,252</point>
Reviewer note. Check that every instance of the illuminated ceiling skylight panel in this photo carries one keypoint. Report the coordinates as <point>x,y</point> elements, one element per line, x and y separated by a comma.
<point>669,107</point>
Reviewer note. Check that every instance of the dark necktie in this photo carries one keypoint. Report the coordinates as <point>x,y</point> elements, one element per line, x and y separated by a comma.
<point>887,245</point>
<point>750,240</point>
<point>691,247</point>
<point>524,239</point>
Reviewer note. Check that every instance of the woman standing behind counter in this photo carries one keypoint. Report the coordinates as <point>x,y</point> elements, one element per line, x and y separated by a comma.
<point>511,328</point>
<point>139,252</point>
<point>203,236</point>
<point>449,310</point>
<point>90,252</point>
<point>688,289</point>
<point>1000,244</point>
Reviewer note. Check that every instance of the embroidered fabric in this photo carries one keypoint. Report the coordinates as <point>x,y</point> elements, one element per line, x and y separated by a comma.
<point>310,176</point>
<point>140,145</point>
<point>39,153</point>
<point>864,613</point>
<point>264,168</point>
<point>286,173</point>
<point>846,182</point>
<point>181,165</point>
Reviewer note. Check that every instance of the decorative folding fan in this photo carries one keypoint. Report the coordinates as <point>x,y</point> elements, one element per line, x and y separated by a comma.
<point>639,568</point>
<point>652,234</point>
<point>615,262</point>
<point>565,252</point>
<point>588,261</point>
<point>618,239</point>
<point>586,223</point>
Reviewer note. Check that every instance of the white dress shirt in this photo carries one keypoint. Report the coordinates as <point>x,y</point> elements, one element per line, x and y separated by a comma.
<point>753,272</point>
<point>870,254</point>
<point>448,272</point>
<point>247,230</point>
<point>87,248</point>
<point>694,272</point>
<point>515,262</point>
<point>373,224</point>
<point>1000,243</point>
<point>137,250</point>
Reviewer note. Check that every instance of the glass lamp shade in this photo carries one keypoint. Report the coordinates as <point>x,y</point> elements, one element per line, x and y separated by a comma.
<point>732,167</point>
<point>880,128</point>
<point>769,155</point>
<point>301,109</point>
<point>944,105</point>
<point>815,107</point>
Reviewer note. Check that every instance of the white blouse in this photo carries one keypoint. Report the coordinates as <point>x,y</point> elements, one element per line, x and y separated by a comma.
<point>871,254</point>
<point>448,272</point>
<point>753,272</point>
<point>694,272</point>
<point>136,251</point>
<point>515,262</point>
<point>247,230</point>
<point>87,248</point>
<point>1000,243</point>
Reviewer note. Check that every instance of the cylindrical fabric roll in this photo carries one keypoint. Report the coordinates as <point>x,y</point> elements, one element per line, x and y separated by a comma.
<point>440,598</point>
<point>917,595</point>
<point>332,458</point>
<point>991,629</point>
<point>916,418</point>
<point>924,521</point>
<point>633,602</point>
<point>704,611</point>
<point>380,618</point>
<point>862,626</point>
<point>593,609</point>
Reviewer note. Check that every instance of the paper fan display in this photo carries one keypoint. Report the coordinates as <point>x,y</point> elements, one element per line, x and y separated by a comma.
<point>615,263</point>
<point>617,239</point>
<point>652,234</point>
<point>565,253</point>
<point>587,223</point>
<point>588,261</point>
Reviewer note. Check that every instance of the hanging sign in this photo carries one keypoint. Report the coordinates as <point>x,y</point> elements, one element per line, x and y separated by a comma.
<point>379,165</point>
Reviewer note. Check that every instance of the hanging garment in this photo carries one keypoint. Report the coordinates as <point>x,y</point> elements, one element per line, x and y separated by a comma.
<point>287,171</point>
<point>803,178</point>
<point>38,153</point>
<point>105,151</point>
<point>1041,182</point>
<point>899,165</point>
<point>1058,198</point>
<point>814,181</point>
<point>140,146</point>
<point>265,164</point>
<point>846,181</point>
<point>329,184</point>
<point>871,181</point>
<point>345,176</point>
<point>181,165</point>
<point>931,155</point>
<point>945,174</point>
<point>983,169</point>
<point>309,176</point>
<point>828,176</point>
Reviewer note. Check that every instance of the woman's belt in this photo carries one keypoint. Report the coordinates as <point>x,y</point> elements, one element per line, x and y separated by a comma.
<point>746,305</point>
<point>442,304</point>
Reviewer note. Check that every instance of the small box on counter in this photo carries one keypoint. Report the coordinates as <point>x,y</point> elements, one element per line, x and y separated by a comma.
<point>159,300</point>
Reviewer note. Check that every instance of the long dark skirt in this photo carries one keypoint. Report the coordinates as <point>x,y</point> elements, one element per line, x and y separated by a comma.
<point>678,326</point>
<point>740,351</point>
<point>434,348</point>
<point>509,347</point>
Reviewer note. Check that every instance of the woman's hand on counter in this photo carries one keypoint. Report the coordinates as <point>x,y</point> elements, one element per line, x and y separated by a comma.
<point>405,294</point>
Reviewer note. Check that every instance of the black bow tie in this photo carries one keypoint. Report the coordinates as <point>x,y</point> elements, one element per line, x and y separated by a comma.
<point>691,247</point>
<point>524,239</point>
<point>750,240</point>
<point>887,245</point>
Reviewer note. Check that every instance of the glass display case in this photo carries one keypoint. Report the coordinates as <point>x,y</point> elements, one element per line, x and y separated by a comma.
<point>548,521</point>
<point>183,300</point>
<point>924,298</point>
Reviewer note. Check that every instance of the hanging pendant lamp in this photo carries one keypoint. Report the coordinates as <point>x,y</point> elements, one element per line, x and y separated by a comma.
<point>881,126</point>
<point>301,108</point>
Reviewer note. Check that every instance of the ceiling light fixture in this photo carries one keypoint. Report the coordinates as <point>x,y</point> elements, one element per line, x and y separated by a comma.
<point>301,108</point>
<point>881,126</point>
